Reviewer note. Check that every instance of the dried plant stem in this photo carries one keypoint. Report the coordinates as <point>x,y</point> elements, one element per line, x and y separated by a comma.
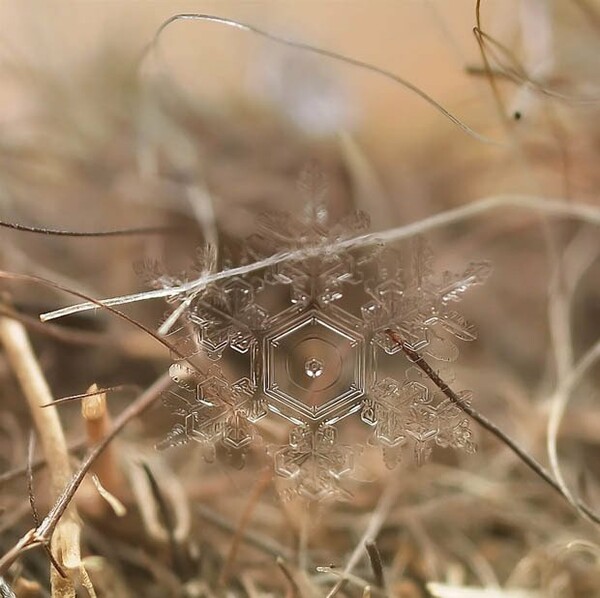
<point>359,64</point>
<point>30,489</point>
<point>294,590</point>
<point>550,207</point>
<point>41,535</point>
<point>24,363</point>
<point>523,455</point>
<point>97,424</point>
<point>111,487</point>
<point>126,232</point>
<point>376,563</point>
<point>377,519</point>
<point>477,30</point>
<point>259,488</point>
<point>571,266</point>
<point>558,405</point>
<point>65,546</point>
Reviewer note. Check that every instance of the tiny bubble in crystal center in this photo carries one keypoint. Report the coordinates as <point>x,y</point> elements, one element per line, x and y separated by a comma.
<point>313,368</point>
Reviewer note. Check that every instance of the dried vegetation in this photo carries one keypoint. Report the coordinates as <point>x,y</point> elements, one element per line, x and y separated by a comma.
<point>111,145</point>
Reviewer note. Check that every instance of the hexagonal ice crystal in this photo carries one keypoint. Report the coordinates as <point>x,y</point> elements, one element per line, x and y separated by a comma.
<point>307,337</point>
<point>314,366</point>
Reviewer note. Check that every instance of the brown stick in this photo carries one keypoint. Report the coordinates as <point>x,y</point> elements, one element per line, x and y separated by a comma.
<point>491,427</point>
<point>24,363</point>
<point>376,563</point>
<point>41,534</point>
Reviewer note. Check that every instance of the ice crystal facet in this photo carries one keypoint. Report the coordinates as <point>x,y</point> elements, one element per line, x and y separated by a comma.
<point>308,340</point>
<point>214,413</point>
<point>314,365</point>
<point>225,315</point>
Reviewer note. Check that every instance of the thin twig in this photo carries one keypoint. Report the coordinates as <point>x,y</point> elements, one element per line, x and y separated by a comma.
<point>477,31</point>
<point>32,504</point>
<point>125,232</point>
<point>85,395</point>
<point>41,534</point>
<point>523,455</point>
<point>30,491</point>
<point>376,563</point>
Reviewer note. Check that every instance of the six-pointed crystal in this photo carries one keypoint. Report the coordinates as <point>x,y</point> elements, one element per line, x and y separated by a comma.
<point>318,358</point>
<point>314,366</point>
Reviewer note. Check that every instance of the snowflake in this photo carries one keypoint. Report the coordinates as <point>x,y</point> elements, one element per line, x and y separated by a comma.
<point>306,341</point>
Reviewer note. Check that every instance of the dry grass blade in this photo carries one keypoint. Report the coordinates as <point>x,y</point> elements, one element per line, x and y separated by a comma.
<point>65,547</point>
<point>360,64</point>
<point>545,206</point>
<point>260,487</point>
<point>44,531</point>
<point>168,521</point>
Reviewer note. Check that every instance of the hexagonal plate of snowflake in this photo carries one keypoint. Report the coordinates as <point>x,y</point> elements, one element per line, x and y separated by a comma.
<point>307,339</point>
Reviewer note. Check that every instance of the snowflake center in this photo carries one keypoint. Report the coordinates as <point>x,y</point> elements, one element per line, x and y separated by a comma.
<point>313,367</point>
